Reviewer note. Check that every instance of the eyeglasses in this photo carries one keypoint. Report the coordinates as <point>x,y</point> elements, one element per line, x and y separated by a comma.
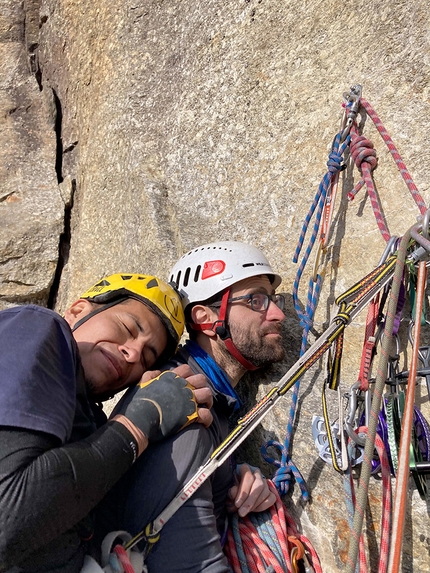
<point>258,301</point>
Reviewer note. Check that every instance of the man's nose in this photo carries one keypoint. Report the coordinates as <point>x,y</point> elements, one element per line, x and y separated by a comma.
<point>132,351</point>
<point>274,312</point>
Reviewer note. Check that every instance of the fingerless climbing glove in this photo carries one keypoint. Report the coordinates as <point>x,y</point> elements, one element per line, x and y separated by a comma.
<point>160,407</point>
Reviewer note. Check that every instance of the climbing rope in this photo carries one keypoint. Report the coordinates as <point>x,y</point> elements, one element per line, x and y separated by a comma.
<point>396,156</point>
<point>286,467</point>
<point>364,156</point>
<point>269,542</point>
<point>386,504</point>
<point>405,439</point>
<point>124,563</point>
<point>366,468</point>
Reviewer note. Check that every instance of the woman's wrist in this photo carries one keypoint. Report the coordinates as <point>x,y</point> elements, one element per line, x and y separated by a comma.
<point>139,437</point>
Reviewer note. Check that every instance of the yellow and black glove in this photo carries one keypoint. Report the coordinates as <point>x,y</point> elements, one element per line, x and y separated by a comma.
<point>160,407</point>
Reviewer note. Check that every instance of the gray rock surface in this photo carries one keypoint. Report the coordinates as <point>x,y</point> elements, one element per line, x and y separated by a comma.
<point>179,123</point>
<point>31,207</point>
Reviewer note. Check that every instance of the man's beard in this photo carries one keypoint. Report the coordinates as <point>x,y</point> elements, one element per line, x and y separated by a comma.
<point>257,348</point>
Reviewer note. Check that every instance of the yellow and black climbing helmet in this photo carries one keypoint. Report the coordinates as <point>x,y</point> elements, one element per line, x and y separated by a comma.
<point>157,295</point>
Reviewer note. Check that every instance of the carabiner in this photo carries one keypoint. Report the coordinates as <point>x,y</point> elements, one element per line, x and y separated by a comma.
<point>390,249</point>
<point>422,252</point>
<point>425,225</point>
<point>350,417</point>
<point>297,552</point>
<point>352,103</point>
<point>411,337</point>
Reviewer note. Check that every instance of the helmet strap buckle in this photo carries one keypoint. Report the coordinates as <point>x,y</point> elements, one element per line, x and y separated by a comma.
<point>220,328</point>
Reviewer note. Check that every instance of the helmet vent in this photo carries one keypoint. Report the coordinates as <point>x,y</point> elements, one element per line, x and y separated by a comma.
<point>248,265</point>
<point>187,276</point>
<point>197,273</point>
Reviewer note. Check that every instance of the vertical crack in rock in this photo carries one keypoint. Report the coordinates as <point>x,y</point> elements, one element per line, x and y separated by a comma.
<point>64,246</point>
<point>58,127</point>
<point>64,242</point>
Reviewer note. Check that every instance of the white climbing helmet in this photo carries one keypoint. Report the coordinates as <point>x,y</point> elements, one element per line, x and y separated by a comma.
<point>210,269</point>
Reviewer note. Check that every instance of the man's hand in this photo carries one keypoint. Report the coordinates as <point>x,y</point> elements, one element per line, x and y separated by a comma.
<point>161,404</point>
<point>251,492</point>
<point>202,392</point>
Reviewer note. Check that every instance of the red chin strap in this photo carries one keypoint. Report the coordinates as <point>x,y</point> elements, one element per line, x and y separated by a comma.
<point>221,329</point>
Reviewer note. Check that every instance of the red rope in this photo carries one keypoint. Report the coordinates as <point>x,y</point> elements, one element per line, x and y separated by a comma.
<point>396,156</point>
<point>257,551</point>
<point>364,156</point>
<point>123,558</point>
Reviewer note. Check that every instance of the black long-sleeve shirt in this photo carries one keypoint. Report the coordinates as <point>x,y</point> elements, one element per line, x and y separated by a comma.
<point>55,465</point>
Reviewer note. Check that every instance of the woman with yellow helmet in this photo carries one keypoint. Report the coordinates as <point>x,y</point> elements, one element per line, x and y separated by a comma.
<point>59,456</point>
<point>160,297</point>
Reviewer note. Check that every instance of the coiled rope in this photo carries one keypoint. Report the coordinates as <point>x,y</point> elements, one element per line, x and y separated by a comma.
<point>268,542</point>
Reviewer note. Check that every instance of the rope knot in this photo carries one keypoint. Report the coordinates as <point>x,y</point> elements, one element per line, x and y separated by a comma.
<point>334,162</point>
<point>362,150</point>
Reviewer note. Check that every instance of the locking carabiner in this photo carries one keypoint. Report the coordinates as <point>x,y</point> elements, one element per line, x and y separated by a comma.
<point>352,104</point>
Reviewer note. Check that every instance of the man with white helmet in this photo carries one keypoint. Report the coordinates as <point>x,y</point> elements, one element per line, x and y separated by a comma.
<point>59,456</point>
<point>234,319</point>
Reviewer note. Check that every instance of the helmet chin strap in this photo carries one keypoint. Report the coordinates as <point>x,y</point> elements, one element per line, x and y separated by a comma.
<point>101,308</point>
<point>222,330</point>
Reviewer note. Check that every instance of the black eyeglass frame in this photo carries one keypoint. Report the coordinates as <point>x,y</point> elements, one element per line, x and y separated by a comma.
<point>278,299</point>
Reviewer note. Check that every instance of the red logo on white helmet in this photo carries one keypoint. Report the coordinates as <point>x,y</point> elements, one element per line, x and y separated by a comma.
<point>212,268</point>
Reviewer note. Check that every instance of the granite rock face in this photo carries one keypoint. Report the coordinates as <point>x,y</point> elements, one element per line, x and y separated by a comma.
<point>31,204</point>
<point>162,125</point>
